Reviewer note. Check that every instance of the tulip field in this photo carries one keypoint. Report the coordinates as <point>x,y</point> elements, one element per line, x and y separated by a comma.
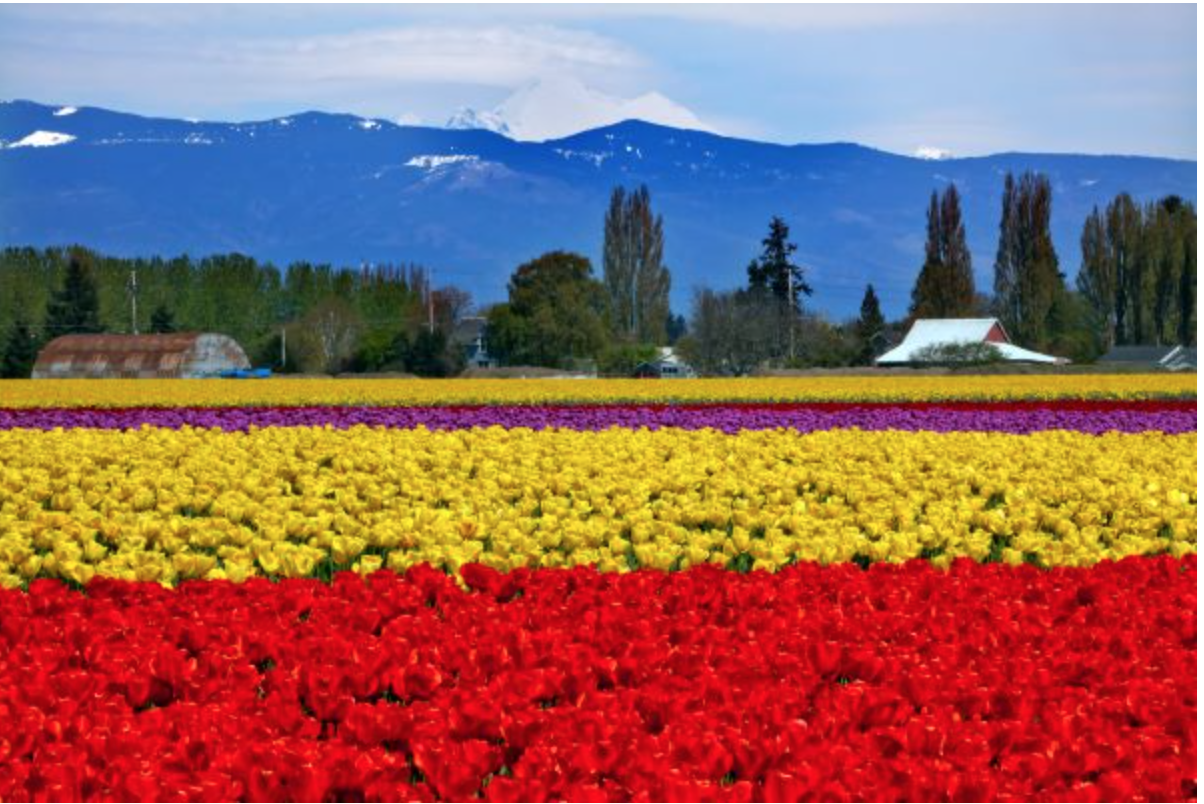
<point>782,589</point>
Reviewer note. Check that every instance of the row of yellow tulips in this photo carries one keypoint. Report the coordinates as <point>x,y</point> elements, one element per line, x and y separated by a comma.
<point>284,391</point>
<point>166,505</point>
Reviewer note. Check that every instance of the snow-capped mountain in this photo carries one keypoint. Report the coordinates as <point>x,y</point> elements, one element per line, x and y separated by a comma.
<point>932,153</point>
<point>549,108</point>
<point>466,119</point>
<point>474,204</point>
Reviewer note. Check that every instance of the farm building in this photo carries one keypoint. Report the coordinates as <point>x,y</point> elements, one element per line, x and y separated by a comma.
<point>1171,358</point>
<point>666,366</point>
<point>178,354</point>
<point>927,334</point>
<point>469,335</point>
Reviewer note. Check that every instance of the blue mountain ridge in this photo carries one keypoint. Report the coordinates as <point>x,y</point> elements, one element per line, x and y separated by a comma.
<point>473,205</point>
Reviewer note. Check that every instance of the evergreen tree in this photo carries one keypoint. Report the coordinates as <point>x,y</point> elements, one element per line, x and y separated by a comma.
<point>74,308</point>
<point>675,327</point>
<point>870,327</point>
<point>775,273</point>
<point>945,286</point>
<point>636,280</point>
<point>1027,281</point>
<point>429,355</point>
<point>162,320</point>
<point>20,352</point>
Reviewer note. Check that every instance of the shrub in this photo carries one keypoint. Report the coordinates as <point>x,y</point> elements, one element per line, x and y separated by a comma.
<point>959,354</point>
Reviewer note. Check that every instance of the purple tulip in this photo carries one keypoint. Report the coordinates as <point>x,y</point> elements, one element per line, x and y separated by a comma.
<point>1171,418</point>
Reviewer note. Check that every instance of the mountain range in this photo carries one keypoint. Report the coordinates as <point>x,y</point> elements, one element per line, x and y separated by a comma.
<point>472,204</point>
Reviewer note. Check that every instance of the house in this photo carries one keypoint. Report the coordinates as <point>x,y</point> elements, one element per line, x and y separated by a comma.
<point>666,366</point>
<point>173,355</point>
<point>469,335</point>
<point>1171,358</point>
<point>929,333</point>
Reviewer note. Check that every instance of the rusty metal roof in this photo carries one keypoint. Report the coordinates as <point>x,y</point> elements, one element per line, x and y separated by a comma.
<point>162,355</point>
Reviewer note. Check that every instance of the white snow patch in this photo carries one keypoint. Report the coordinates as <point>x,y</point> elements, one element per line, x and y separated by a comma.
<point>436,161</point>
<point>41,139</point>
<point>1088,182</point>
<point>596,157</point>
<point>930,152</point>
<point>66,110</point>
<point>285,121</point>
<point>368,125</point>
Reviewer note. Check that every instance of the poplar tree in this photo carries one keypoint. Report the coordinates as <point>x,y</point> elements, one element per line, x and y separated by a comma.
<point>633,272</point>
<point>1097,278</point>
<point>1187,278</point>
<point>1123,226</point>
<point>945,285</point>
<point>1027,281</point>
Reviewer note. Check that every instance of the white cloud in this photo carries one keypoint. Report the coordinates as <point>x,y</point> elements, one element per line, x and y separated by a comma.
<point>492,56</point>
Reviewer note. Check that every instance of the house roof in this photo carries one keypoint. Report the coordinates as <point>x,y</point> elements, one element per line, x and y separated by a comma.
<point>1137,354</point>
<point>467,330</point>
<point>926,332</point>
<point>1181,358</point>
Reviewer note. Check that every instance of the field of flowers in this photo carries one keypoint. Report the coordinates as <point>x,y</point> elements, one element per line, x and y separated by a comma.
<point>931,588</point>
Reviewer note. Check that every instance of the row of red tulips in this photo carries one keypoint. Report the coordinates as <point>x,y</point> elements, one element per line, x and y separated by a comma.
<point>900,682</point>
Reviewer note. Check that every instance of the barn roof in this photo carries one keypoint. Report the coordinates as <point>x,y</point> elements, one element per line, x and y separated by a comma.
<point>157,355</point>
<point>926,332</point>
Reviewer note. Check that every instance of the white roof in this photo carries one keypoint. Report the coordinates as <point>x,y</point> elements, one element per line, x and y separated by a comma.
<point>927,332</point>
<point>1010,351</point>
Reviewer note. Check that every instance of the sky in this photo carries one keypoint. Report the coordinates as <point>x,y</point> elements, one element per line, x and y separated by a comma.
<point>967,79</point>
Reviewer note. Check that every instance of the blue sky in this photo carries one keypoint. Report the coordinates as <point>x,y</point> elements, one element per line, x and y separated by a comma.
<point>968,79</point>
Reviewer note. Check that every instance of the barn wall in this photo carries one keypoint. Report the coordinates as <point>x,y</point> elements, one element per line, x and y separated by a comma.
<point>212,354</point>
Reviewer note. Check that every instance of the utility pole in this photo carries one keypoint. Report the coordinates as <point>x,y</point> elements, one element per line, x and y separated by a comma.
<point>430,300</point>
<point>635,281</point>
<point>283,347</point>
<point>133,288</point>
<point>790,301</point>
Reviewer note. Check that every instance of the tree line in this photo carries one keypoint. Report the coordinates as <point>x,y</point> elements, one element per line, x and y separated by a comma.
<point>559,314</point>
<point>306,317</point>
<point>1136,285</point>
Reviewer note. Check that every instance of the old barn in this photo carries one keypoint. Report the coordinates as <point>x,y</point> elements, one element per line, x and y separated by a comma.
<point>175,355</point>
